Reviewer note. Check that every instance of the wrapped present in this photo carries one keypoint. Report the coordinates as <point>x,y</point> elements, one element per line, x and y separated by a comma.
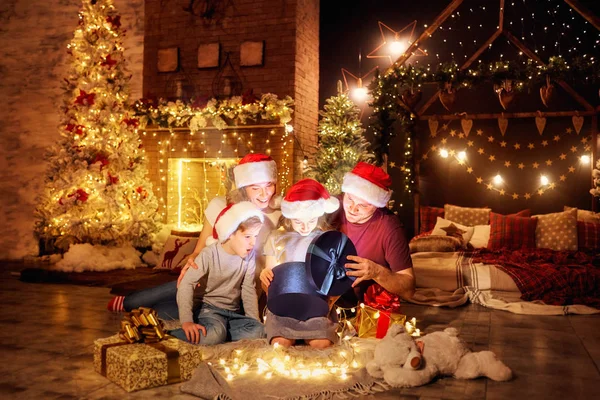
<point>142,355</point>
<point>380,310</point>
<point>373,323</point>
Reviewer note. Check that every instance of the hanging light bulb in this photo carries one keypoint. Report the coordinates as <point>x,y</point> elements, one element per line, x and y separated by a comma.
<point>444,153</point>
<point>544,180</point>
<point>498,180</point>
<point>462,155</point>
<point>585,159</point>
<point>359,93</point>
<point>398,47</point>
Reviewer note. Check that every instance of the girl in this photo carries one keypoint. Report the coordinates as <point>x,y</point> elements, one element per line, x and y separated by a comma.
<point>255,179</point>
<point>225,275</point>
<point>303,209</point>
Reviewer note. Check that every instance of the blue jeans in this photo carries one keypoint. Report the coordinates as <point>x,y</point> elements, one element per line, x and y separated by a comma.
<point>162,298</point>
<point>223,325</point>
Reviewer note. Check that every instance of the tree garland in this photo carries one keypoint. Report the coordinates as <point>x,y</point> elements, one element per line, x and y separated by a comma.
<point>220,113</point>
<point>396,92</point>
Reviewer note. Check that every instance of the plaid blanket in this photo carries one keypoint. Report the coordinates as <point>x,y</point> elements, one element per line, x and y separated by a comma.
<point>554,277</point>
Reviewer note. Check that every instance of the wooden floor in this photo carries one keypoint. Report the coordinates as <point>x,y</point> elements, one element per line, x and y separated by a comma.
<point>47,331</point>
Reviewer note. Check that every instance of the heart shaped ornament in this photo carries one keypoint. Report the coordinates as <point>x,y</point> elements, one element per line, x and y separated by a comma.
<point>546,94</point>
<point>577,123</point>
<point>433,127</point>
<point>466,124</point>
<point>505,97</point>
<point>447,98</point>
<point>503,125</point>
<point>540,123</point>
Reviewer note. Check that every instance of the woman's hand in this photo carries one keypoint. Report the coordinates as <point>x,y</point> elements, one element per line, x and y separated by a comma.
<point>190,263</point>
<point>192,331</point>
<point>266,277</point>
<point>364,269</point>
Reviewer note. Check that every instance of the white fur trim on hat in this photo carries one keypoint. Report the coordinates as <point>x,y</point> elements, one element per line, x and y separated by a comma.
<point>228,223</point>
<point>366,190</point>
<point>255,172</point>
<point>309,209</point>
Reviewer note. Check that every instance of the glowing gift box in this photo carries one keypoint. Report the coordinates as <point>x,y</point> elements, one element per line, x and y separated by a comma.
<point>373,323</point>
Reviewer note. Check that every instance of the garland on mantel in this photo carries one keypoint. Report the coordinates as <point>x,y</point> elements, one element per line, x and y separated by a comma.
<point>396,92</point>
<point>197,114</point>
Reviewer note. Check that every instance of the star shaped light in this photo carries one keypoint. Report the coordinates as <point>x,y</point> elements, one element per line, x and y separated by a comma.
<point>444,141</point>
<point>531,146</point>
<point>480,180</point>
<point>502,192</point>
<point>395,43</point>
<point>453,133</point>
<point>569,130</point>
<point>535,165</point>
<point>470,143</point>
<point>549,162</point>
<point>492,158</point>
<point>527,196</point>
<point>356,83</point>
<point>517,146</point>
<point>490,139</point>
<point>490,186</point>
<point>563,156</point>
<point>571,169</point>
<point>481,150</point>
<point>515,196</point>
<point>521,166</point>
<point>563,178</point>
<point>479,132</point>
<point>584,140</point>
<point>469,170</point>
<point>556,138</point>
<point>544,143</point>
<point>573,149</point>
<point>503,144</point>
<point>507,164</point>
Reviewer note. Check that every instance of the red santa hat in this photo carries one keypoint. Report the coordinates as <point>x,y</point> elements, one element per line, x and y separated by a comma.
<point>230,218</point>
<point>254,168</point>
<point>308,199</point>
<point>370,183</point>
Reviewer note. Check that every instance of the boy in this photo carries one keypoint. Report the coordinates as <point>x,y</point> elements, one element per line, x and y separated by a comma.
<point>225,275</point>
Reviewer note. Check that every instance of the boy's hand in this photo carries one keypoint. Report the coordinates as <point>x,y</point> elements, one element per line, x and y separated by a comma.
<point>190,263</point>
<point>266,276</point>
<point>192,331</point>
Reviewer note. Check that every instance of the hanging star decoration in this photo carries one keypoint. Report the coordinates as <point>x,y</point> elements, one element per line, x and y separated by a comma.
<point>356,81</point>
<point>394,43</point>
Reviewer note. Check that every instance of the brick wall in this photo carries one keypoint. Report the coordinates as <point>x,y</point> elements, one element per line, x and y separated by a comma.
<point>33,42</point>
<point>290,31</point>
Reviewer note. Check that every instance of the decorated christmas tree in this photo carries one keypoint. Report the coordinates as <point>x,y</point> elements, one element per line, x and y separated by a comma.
<point>341,142</point>
<point>96,189</point>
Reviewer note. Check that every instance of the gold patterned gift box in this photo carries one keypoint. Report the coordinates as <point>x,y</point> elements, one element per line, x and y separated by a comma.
<point>373,323</point>
<point>141,366</point>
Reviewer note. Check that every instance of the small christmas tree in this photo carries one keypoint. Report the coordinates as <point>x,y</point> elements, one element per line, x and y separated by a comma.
<point>96,188</point>
<point>341,142</point>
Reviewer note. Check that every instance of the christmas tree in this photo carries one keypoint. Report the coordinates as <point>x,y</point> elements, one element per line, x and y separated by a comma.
<point>96,189</point>
<point>341,142</point>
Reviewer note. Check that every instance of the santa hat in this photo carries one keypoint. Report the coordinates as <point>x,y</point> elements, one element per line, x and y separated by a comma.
<point>254,168</point>
<point>308,199</point>
<point>232,216</point>
<point>370,183</point>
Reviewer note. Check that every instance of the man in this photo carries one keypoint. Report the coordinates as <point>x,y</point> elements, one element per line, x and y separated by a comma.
<point>383,253</point>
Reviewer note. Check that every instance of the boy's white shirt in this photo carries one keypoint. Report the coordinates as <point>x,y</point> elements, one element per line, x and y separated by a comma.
<point>224,279</point>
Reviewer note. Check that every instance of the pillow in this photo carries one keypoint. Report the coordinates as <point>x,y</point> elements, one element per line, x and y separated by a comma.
<point>176,251</point>
<point>467,216</point>
<point>557,231</point>
<point>443,227</point>
<point>588,236</point>
<point>481,236</point>
<point>585,215</point>
<point>435,243</point>
<point>511,232</point>
<point>523,213</point>
<point>428,217</point>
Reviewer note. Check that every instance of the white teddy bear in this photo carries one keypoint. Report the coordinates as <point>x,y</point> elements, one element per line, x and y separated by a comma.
<point>405,362</point>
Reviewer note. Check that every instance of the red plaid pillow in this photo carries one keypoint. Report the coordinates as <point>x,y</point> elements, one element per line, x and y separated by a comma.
<point>428,217</point>
<point>523,213</point>
<point>588,236</point>
<point>511,232</point>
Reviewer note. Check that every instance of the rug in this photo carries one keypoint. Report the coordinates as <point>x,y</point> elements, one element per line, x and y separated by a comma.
<point>253,369</point>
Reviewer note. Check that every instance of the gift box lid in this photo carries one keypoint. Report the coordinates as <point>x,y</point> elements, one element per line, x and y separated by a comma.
<point>325,260</point>
<point>292,294</point>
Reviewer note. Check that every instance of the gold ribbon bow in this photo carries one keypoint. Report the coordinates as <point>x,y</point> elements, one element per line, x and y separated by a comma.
<point>142,325</point>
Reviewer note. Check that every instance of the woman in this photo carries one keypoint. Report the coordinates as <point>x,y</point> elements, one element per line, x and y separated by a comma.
<point>255,179</point>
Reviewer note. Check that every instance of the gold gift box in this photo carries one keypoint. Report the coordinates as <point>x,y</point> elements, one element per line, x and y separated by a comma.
<point>141,366</point>
<point>371,321</point>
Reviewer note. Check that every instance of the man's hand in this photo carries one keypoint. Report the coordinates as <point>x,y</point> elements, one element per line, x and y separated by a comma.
<point>192,331</point>
<point>364,269</point>
<point>190,263</point>
<point>266,277</point>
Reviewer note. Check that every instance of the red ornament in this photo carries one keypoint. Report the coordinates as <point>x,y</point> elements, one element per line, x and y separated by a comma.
<point>80,195</point>
<point>142,192</point>
<point>76,129</point>
<point>248,97</point>
<point>131,122</point>
<point>85,99</point>
<point>101,158</point>
<point>113,179</point>
<point>108,62</point>
<point>114,21</point>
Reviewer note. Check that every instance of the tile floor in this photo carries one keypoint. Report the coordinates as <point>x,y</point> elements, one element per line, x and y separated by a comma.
<point>47,331</point>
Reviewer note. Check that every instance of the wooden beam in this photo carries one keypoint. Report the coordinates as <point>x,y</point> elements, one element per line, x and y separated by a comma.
<point>535,57</point>
<point>476,55</point>
<point>501,18</point>
<point>450,117</point>
<point>585,13</point>
<point>428,32</point>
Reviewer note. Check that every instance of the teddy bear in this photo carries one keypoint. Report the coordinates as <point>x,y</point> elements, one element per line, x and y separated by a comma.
<point>404,361</point>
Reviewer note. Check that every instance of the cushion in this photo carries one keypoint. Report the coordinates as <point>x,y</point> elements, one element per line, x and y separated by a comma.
<point>557,231</point>
<point>435,243</point>
<point>443,227</point>
<point>481,236</point>
<point>466,215</point>
<point>511,232</point>
<point>588,236</point>
<point>176,251</point>
<point>428,217</point>
<point>523,213</point>
<point>585,215</point>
